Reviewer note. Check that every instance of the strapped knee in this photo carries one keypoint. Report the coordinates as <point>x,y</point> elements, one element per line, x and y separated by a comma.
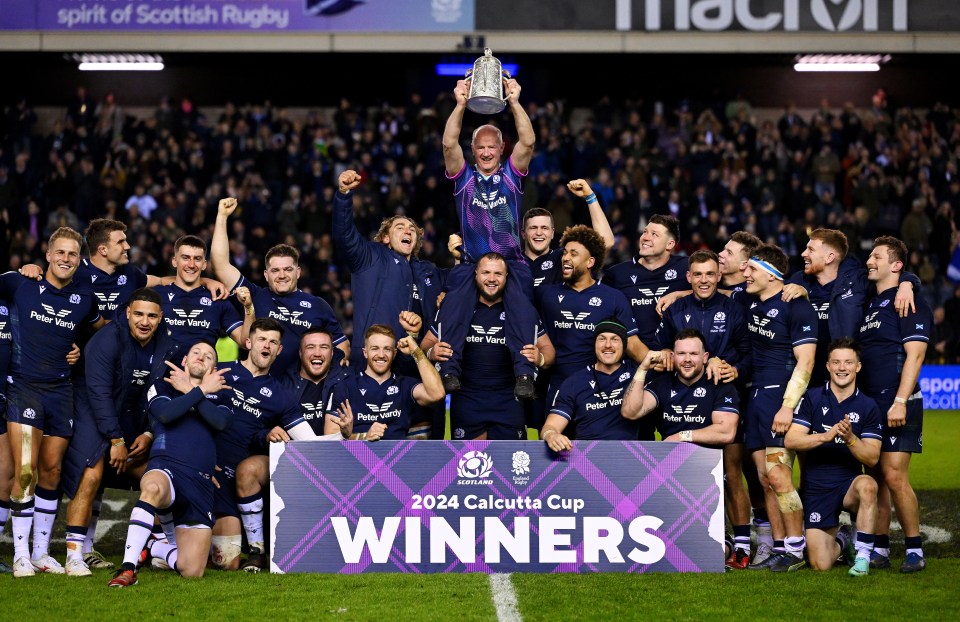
<point>789,502</point>
<point>779,455</point>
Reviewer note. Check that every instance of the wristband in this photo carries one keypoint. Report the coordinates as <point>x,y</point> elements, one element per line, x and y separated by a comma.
<point>148,434</point>
<point>429,353</point>
<point>851,444</point>
<point>362,436</point>
<point>591,198</point>
<point>542,360</point>
<point>686,435</point>
<point>118,443</point>
<point>900,400</point>
<point>548,431</point>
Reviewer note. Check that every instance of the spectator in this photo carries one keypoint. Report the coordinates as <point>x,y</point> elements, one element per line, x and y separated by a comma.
<point>943,340</point>
<point>143,202</point>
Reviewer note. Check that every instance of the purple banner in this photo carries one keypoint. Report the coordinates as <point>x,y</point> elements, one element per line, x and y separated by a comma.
<point>244,15</point>
<point>505,506</point>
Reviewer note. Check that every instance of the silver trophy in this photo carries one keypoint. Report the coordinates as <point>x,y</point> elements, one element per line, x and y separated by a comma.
<point>486,85</point>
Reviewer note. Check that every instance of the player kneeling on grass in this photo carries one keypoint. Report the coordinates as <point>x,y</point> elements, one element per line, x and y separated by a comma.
<point>839,430</point>
<point>189,407</point>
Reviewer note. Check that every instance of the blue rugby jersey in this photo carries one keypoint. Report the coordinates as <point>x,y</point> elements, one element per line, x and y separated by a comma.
<point>259,403</point>
<point>690,407</point>
<point>192,316</point>
<point>44,322</point>
<point>391,403</point>
<point>297,312</point>
<point>720,319</point>
<point>546,269</point>
<point>6,345</point>
<point>112,290</point>
<point>644,288</point>
<point>187,440</point>
<point>775,328</point>
<point>570,317</point>
<point>882,335</point>
<point>593,399</point>
<point>832,464</point>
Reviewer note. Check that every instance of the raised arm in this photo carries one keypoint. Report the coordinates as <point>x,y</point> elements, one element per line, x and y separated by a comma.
<point>431,389</point>
<point>220,244</point>
<point>523,151</point>
<point>452,152</point>
<point>345,234</point>
<point>598,220</point>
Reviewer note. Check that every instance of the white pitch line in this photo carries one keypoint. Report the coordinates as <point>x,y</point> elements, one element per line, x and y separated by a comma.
<point>504,598</point>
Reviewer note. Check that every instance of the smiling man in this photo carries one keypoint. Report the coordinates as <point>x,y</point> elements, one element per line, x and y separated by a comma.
<point>387,279</point>
<point>488,196</point>
<point>838,288</point>
<point>572,309</point>
<point>487,363</point>
<point>653,273</point>
<point>381,403</point>
<point>722,322</point>
<point>839,428</point>
<point>783,336</point>
<point>188,406</point>
<point>592,397</point>
<point>893,352</point>
<point>189,312</point>
<point>260,404</point>
<point>692,407</point>
<point>111,439</point>
<point>281,300</point>
<point>45,317</point>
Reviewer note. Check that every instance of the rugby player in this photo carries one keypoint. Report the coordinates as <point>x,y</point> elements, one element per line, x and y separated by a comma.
<point>281,299</point>
<point>893,349</point>
<point>189,407</point>
<point>839,429</point>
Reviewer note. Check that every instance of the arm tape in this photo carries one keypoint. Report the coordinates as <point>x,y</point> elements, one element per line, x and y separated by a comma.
<point>796,387</point>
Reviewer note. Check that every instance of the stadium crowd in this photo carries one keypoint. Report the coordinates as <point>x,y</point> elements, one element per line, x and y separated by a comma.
<point>330,243</point>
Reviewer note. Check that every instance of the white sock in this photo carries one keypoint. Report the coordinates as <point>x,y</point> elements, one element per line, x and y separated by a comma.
<point>795,545</point>
<point>251,514</point>
<point>4,512</point>
<point>138,532</point>
<point>44,514</point>
<point>165,551</point>
<point>21,523</point>
<point>75,537</point>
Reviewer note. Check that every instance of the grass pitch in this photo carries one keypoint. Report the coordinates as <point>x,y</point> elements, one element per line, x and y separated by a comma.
<point>930,595</point>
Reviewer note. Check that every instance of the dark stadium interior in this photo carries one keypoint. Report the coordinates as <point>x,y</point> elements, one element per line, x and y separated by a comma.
<point>318,79</point>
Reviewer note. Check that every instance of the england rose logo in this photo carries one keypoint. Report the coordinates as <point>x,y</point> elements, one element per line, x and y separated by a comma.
<point>521,462</point>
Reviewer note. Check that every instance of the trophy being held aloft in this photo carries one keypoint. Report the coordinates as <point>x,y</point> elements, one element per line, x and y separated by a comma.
<point>486,85</point>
